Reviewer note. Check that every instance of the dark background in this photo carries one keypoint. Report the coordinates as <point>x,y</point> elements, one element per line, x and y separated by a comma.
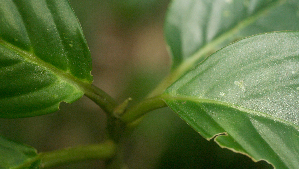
<point>129,54</point>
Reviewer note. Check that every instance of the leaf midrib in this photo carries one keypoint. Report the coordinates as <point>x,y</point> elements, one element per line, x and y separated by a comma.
<point>178,97</point>
<point>29,56</point>
<point>203,51</point>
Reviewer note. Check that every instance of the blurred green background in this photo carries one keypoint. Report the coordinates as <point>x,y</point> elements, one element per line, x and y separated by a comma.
<point>129,59</point>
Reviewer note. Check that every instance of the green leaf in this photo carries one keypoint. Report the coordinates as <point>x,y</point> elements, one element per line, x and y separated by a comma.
<point>44,58</point>
<point>284,17</point>
<point>247,96</point>
<point>13,155</point>
<point>195,28</point>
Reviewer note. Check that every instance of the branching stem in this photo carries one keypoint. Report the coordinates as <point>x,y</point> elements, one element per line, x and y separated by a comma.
<point>101,98</point>
<point>143,107</point>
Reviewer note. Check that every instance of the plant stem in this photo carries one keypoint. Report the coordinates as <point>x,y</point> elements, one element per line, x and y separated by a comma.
<point>102,151</point>
<point>141,108</point>
<point>105,101</point>
<point>203,52</point>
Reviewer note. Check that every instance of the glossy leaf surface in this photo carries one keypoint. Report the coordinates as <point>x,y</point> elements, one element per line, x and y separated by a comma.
<point>44,58</point>
<point>192,25</point>
<point>13,154</point>
<point>249,92</point>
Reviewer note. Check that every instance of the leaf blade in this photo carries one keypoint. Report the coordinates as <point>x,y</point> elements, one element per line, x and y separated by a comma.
<point>258,77</point>
<point>44,58</point>
<point>259,143</point>
<point>13,154</point>
<point>194,26</point>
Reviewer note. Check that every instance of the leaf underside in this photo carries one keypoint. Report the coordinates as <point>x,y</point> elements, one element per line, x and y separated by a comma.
<point>248,91</point>
<point>194,24</point>
<point>44,57</point>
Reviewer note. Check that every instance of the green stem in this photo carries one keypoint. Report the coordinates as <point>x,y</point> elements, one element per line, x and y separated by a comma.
<point>141,108</point>
<point>209,48</point>
<point>105,101</point>
<point>103,151</point>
